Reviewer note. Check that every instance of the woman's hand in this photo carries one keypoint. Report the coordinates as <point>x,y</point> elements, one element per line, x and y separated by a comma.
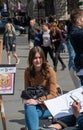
<point>76,108</point>
<point>54,40</point>
<point>31,102</point>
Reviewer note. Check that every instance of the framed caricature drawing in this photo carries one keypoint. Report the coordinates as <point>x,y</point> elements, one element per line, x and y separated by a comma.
<point>7,79</point>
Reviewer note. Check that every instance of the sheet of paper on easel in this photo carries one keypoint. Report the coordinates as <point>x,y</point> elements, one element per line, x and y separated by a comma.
<point>61,106</point>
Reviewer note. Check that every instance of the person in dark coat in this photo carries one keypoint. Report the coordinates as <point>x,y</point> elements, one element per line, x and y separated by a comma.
<point>9,42</point>
<point>76,38</point>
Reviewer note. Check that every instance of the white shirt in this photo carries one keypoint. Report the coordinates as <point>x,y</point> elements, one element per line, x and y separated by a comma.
<point>46,39</point>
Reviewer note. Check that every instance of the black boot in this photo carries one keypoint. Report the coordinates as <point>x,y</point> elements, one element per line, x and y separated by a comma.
<point>55,68</point>
<point>63,67</point>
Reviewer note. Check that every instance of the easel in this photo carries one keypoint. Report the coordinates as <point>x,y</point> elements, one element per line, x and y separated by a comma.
<point>1,100</point>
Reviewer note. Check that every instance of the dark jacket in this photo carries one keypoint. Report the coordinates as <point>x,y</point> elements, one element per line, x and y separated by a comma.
<point>58,37</point>
<point>38,39</point>
<point>9,38</point>
<point>76,38</point>
<point>71,123</point>
<point>80,122</point>
<point>31,33</point>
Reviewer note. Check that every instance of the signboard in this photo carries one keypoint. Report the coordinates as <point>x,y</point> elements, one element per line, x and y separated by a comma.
<point>7,79</point>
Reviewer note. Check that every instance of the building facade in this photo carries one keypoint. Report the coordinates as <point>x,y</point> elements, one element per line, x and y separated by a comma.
<point>61,9</point>
<point>42,8</point>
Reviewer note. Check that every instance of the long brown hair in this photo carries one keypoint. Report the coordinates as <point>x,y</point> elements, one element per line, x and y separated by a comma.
<point>44,67</point>
<point>54,29</point>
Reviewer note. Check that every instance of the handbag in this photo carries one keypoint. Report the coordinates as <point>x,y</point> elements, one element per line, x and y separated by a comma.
<point>33,92</point>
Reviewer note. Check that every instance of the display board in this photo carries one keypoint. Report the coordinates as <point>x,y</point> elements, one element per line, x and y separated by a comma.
<point>7,79</point>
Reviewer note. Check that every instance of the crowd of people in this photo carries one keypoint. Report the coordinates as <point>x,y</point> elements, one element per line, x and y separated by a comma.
<point>47,39</point>
<point>44,39</point>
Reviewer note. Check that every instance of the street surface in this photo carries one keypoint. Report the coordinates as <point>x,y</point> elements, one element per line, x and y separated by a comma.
<point>13,105</point>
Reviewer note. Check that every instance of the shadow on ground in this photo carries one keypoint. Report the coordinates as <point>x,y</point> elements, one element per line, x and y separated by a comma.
<point>19,121</point>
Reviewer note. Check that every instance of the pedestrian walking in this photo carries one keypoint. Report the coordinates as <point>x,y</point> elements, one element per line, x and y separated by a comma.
<point>56,38</point>
<point>38,37</point>
<point>46,44</point>
<point>9,42</point>
<point>31,33</point>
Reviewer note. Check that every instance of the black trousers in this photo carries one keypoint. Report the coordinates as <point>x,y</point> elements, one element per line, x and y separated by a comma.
<point>50,51</point>
<point>57,55</point>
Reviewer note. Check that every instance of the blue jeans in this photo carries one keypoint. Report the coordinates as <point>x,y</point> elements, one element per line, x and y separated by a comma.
<point>74,77</point>
<point>32,115</point>
<point>71,55</point>
<point>71,64</point>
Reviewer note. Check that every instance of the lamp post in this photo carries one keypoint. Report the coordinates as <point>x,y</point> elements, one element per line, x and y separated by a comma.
<point>38,8</point>
<point>7,6</point>
<point>28,7</point>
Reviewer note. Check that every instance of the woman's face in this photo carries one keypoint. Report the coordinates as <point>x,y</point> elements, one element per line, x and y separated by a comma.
<point>37,61</point>
<point>8,27</point>
<point>45,28</point>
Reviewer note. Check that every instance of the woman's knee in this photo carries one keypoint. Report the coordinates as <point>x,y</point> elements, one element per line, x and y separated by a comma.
<point>30,110</point>
<point>8,53</point>
<point>13,53</point>
<point>31,117</point>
